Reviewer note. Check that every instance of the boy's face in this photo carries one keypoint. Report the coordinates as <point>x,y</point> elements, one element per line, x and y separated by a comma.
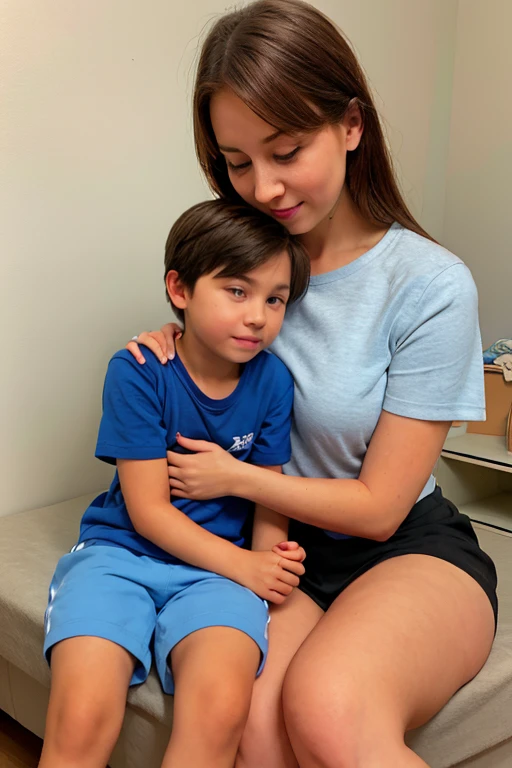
<point>234,318</point>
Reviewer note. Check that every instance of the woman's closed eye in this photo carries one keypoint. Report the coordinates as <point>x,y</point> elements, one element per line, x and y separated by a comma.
<point>288,156</point>
<point>239,167</point>
<point>280,159</point>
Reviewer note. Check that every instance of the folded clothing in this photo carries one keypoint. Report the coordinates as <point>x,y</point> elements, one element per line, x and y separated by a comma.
<point>500,347</point>
<point>505,362</point>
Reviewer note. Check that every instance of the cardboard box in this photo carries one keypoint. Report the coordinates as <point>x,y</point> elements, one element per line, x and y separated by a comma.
<point>498,404</point>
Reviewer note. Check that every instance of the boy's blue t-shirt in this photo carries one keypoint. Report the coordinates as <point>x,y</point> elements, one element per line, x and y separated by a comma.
<point>144,406</point>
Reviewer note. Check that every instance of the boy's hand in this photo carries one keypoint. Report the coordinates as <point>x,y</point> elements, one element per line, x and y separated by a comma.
<point>291,550</point>
<point>271,575</point>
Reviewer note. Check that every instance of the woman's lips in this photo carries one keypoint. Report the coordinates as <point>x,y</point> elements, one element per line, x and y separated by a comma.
<point>285,213</point>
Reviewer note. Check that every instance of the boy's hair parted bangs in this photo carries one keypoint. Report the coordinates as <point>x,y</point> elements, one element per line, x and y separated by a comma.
<point>233,238</point>
<point>292,67</point>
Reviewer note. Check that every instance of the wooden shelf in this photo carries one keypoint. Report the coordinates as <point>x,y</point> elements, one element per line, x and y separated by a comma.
<point>494,511</point>
<point>484,450</point>
<point>475,472</point>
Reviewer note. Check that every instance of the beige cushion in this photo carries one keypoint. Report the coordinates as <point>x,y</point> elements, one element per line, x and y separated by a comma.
<point>478,716</point>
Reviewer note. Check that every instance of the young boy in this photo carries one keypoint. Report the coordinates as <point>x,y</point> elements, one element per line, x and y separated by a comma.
<point>151,572</point>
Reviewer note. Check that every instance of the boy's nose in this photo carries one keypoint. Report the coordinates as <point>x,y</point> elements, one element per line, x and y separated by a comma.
<point>255,316</point>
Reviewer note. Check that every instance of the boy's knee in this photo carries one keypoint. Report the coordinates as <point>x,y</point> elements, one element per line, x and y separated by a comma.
<point>80,727</point>
<point>225,706</point>
<point>231,705</point>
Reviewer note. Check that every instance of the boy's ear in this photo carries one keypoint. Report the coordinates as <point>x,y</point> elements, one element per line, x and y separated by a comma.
<point>176,291</point>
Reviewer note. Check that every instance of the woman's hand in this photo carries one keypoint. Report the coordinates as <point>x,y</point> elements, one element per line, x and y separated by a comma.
<point>161,342</point>
<point>272,575</point>
<point>207,474</point>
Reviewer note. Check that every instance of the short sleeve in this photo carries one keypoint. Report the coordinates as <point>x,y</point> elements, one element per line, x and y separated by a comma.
<point>132,425</point>
<point>272,445</point>
<point>436,371</point>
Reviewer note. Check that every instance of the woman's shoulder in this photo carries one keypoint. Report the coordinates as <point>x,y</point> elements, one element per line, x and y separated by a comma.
<point>421,254</point>
<point>418,262</point>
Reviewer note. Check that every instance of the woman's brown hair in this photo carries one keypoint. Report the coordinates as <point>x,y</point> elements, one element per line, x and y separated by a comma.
<point>291,66</point>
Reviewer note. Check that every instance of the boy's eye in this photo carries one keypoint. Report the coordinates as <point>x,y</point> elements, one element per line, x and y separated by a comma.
<point>288,156</point>
<point>238,293</point>
<point>274,300</point>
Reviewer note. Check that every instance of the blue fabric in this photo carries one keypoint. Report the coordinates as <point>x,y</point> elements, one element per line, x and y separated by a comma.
<point>395,330</point>
<point>134,601</point>
<point>500,347</point>
<point>144,406</point>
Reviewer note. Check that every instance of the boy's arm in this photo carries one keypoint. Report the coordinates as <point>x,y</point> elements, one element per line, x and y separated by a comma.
<point>269,527</point>
<point>145,489</point>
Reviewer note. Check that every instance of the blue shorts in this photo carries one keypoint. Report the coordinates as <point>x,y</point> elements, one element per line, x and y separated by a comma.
<point>144,604</point>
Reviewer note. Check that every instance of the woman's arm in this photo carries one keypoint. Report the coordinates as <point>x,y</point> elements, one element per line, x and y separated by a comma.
<point>401,456</point>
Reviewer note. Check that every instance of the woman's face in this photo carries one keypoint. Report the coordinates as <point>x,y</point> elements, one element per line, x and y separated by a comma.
<point>297,179</point>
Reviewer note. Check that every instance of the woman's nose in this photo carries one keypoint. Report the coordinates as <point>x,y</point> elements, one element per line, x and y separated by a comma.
<point>267,186</point>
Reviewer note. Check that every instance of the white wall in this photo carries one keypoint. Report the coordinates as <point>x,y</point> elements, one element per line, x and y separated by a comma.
<point>96,162</point>
<point>407,48</point>
<point>479,187</point>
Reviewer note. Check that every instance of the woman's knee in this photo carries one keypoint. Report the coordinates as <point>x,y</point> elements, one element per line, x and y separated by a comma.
<point>343,726</point>
<point>333,726</point>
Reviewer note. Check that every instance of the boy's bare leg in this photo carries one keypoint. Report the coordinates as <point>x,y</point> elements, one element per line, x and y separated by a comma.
<point>214,671</point>
<point>90,678</point>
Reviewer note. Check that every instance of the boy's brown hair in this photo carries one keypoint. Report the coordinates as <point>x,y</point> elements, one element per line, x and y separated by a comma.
<point>235,238</point>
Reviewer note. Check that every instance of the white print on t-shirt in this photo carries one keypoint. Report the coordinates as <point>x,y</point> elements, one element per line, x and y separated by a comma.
<point>241,442</point>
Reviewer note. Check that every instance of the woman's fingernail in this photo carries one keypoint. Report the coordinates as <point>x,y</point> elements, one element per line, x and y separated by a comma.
<point>171,356</point>
<point>177,435</point>
<point>163,359</point>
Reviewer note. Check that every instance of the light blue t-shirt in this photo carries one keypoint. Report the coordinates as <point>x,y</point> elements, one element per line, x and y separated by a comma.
<point>396,329</point>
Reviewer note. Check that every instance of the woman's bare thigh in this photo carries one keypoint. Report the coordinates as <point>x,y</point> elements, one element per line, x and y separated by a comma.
<point>390,652</point>
<point>265,741</point>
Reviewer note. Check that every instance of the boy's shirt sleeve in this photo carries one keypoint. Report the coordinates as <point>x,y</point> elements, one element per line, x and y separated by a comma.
<point>132,422</point>
<point>272,445</point>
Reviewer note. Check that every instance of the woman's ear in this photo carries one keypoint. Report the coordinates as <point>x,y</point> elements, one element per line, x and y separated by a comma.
<point>353,124</point>
<point>176,291</point>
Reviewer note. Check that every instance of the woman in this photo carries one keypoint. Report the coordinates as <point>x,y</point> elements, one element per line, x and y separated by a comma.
<point>397,609</point>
